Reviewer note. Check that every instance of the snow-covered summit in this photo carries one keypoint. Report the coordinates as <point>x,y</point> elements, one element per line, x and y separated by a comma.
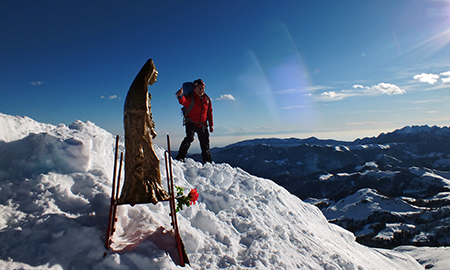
<point>54,200</point>
<point>408,134</point>
<point>291,142</point>
<point>422,129</point>
<point>29,147</point>
<point>16,127</point>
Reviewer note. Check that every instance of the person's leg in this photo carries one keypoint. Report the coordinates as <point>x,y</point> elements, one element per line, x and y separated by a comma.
<point>187,141</point>
<point>203,137</point>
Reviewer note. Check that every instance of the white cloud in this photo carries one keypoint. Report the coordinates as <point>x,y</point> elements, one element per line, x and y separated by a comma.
<point>427,78</point>
<point>226,97</point>
<point>110,97</point>
<point>390,89</point>
<point>330,94</point>
<point>358,86</point>
<point>447,74</point>
<point>36,83</point>
<point>361,90</point>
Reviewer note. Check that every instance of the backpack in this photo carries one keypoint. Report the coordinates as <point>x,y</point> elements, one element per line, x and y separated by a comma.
<point>188,90</point>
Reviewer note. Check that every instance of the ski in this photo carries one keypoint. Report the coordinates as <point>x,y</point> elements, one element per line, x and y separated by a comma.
<point>114,196</point>
<point>114,218</point>
<point>173,214</point>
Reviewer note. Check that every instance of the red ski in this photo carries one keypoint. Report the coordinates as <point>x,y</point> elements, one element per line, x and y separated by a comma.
<point>114,197</point>
<point>173,213</point>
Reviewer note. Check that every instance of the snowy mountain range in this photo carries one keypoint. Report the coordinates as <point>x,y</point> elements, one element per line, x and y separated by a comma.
<point>55,186</point>
<point>389,190</point>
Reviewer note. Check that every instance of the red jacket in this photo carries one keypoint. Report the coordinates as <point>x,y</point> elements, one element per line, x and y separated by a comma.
<point>201,111</point>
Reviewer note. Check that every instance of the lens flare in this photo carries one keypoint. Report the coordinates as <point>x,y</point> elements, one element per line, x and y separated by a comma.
<point>286,80</point>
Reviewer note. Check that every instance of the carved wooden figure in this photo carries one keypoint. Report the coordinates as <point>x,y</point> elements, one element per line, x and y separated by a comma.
<point>142,182</point>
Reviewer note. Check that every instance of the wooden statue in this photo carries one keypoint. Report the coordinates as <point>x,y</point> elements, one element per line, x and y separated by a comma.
<point>142,182</point>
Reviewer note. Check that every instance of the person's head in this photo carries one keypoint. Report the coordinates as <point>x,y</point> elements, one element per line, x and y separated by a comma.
<point>154,75</point>
<point>199,87</point>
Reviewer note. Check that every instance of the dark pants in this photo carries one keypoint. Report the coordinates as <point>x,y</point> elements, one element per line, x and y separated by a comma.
<point>203,137</point>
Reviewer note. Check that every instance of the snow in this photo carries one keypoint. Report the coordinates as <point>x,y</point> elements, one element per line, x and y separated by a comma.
<point>325,177</point>
<point>429,175</point>
<point>392,228</point>
<point>341,148</point>
<point>356,206</point>
<point>432,176</point>
<point>367,165</point>
<point>370,146</point>
<point>430,257</point>
<point>55,186</point>
<point>440,196</point>
<point>16,127</point>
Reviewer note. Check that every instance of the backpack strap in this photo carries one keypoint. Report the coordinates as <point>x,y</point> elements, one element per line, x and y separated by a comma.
<point>188,109</point>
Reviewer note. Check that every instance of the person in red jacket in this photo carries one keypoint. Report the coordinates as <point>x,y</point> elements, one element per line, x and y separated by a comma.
<point>198,119</point>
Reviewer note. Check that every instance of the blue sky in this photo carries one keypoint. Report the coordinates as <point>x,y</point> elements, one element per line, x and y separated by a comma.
<point>330,69</point>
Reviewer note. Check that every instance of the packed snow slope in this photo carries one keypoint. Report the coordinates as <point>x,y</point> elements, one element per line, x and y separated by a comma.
<point>55,186</point>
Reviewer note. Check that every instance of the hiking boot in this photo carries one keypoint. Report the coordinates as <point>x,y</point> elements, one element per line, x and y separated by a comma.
<point>180,158</point>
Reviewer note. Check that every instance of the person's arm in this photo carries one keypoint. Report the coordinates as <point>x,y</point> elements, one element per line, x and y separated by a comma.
<point>179,93</point>
<point>210,118</point>
<point>181,98</point>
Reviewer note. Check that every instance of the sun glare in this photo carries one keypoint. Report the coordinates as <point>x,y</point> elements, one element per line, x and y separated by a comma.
<point>286,80</point>
<point>441,38</point>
